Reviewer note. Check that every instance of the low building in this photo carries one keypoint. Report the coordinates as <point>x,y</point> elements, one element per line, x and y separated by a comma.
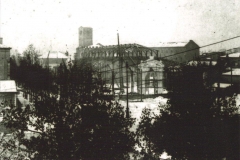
<point>53,59</point>
<point>232,76</point>
<point>233,59</point>
<point>233,50</point>
<point>8,92</point>
<point>212,56</point>
<point>178,51</point>
<point>8,89</point>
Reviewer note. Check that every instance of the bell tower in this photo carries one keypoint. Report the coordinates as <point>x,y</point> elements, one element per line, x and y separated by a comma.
<point>85,35</point>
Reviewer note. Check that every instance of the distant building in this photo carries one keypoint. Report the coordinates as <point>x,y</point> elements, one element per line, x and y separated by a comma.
<point>178,51</point>
<point>152,77</point>
<point>53,59</point>
<point>233,59</point>
<point>4,62</point>
<point>8,92</point>
<point>233,76</point>
<point>8,87</point>
<point>233,50</point>
<point>211,56</point>
<point>232,73</point>
<point>112,61</point>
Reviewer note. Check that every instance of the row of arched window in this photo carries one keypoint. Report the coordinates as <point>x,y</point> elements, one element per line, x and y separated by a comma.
<point>97,54</point>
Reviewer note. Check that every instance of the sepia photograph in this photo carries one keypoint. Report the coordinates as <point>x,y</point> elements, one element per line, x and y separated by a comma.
<point>119,80</point>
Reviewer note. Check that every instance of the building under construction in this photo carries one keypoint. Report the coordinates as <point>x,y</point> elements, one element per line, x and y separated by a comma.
<point>129,66</point>
<point>126,68</point>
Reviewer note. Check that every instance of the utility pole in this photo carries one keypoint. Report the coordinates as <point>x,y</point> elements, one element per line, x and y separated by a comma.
<point>231,75</point>
<point>0,17</point>
<point>113,76</point>
<point>210,77</point>
<point>113,83</point>
<point>141,84</point>
<point>120,64</point>
<point>218,84</point>
<point>127,110</point>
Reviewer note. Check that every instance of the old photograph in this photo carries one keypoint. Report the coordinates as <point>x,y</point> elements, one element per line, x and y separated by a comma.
<point>119,80</point>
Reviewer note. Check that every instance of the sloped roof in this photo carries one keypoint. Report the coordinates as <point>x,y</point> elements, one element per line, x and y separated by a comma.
<point>54,54</point>
<point>8,86</point>
<point>172,44</point>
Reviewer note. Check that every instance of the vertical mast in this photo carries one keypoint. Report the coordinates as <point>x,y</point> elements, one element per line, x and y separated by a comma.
<point>1,40</point>
<point>0,18</point>
<point>120,64</point>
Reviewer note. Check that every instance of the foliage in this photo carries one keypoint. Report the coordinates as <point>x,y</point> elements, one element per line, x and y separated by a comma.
<point>80,122</point>
<point>194,123</point>
<point>28,72</point>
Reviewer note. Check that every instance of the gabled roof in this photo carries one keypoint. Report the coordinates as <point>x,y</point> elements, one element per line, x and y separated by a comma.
<point>174,44</point>
<point>54,54</point>
<point>8,86</point>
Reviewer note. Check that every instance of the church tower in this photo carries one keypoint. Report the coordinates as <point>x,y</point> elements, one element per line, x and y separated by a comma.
<point>85,35</point>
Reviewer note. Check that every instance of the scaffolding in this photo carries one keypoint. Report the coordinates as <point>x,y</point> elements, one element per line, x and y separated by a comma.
<point>142,75</point>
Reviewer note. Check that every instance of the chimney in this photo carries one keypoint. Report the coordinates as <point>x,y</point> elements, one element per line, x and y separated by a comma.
<point>1,40</point>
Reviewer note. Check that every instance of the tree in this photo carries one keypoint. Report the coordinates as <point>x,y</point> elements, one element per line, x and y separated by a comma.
<point>195,122</point>
<point>29,74</point>
<point>83,123</point>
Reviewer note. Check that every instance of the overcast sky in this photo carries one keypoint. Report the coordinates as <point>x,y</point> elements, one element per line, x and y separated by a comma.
<point>53,24</point>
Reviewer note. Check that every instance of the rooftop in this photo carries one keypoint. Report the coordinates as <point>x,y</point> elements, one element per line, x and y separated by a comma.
<point>114,48</point>
<point>8,86</point>
<point>54,54</point>
<point>3,46</point>
<point>172,44</point>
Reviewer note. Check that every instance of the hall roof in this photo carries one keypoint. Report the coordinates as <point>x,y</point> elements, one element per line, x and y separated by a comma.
<point>123,48</point>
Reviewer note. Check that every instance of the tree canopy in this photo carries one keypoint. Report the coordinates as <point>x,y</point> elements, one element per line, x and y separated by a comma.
<point>28,72</point>
<point>195,124</point>
<point>78,122</point>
